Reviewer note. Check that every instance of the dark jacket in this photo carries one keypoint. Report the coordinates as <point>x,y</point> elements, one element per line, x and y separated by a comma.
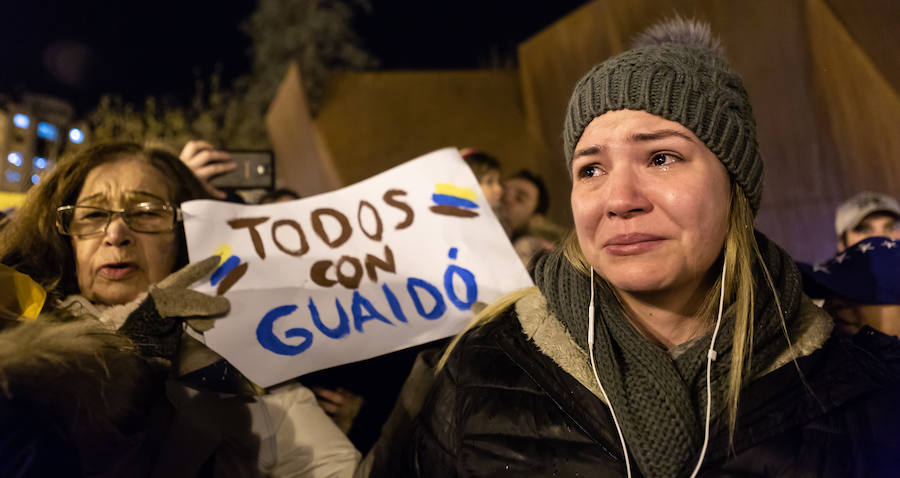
<point>516,398</point>
<point>76,400</point>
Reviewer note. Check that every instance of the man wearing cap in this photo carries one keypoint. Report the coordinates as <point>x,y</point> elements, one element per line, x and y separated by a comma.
<point>861,284</point>
<point>865,215</point>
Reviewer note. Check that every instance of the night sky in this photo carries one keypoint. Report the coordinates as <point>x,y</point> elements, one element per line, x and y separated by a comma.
<point>78,50</point>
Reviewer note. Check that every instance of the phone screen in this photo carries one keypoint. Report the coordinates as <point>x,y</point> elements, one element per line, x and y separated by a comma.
<point>255,170</point>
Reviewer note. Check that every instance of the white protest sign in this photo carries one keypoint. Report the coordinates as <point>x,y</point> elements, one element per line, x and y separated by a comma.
<point>391,262</point>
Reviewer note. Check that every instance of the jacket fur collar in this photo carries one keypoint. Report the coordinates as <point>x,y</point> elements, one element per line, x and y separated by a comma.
<point>808,333</point>
<point>86,376</point>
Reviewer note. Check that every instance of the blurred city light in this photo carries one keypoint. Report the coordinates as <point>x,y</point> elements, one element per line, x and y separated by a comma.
<point>12,176</point>
<point>76,135</point>
<point>47,131</point>
<point>40,163</point>
<point>35,179</point>
<point>22,121</point>
<point>15,159</point>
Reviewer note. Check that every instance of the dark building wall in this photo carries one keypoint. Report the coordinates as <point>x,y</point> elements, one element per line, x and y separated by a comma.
<point>373,121</point>
<point>822,77</point>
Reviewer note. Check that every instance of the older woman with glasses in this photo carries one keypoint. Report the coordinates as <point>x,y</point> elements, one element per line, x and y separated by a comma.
<point>103,235</point>
<point>68,235</point>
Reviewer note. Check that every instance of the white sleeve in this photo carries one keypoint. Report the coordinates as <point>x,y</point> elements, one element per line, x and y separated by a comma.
<point>308,443</point>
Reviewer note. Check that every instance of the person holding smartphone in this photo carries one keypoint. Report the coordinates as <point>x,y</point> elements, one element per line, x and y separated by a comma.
<point>207,162</point>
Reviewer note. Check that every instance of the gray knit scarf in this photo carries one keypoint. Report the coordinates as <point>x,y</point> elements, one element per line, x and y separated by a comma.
<point>660,401</point>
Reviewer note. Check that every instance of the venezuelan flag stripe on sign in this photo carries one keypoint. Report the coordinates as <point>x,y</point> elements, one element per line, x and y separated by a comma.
<point>445,200</point>
<point>224,269</point>
<point>458,191</point>
<point>224,252</point>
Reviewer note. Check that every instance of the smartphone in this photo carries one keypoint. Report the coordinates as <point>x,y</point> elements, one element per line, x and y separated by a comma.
<point>255,170</point>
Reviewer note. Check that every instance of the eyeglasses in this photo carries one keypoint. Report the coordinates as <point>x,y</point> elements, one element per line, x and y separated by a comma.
<point>143,217</point>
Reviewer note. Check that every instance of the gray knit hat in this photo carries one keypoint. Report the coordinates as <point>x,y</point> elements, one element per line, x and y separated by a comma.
<point>676,71</point>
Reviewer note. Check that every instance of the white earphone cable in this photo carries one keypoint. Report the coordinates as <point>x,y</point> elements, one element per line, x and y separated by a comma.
<point>710,356</point>
<point>590,338</point>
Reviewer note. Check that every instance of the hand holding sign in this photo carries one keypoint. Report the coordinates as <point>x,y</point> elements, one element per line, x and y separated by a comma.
<point>388,263</point>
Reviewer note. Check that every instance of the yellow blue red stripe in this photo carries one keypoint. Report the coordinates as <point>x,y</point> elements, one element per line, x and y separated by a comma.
<point>454,196</point>
<point>445,200</point>
<point>453,190</point>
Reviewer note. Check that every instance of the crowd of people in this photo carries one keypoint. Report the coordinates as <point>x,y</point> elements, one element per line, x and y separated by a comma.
<point>664,336</point>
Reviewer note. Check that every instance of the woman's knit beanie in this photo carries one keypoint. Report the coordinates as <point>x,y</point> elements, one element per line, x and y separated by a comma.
<point>676,71</point>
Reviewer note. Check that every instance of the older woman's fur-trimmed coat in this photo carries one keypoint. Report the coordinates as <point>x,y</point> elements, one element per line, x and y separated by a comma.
<point>77,399</point>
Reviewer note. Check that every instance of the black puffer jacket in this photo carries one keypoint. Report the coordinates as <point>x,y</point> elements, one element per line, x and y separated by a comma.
<point>516,398</point>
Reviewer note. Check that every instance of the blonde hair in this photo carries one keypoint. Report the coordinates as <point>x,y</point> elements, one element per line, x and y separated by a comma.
<point>740,251</point>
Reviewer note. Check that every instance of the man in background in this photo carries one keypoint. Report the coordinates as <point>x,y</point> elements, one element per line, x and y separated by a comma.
<point>525,202</point>
<point>865,215</point>
<point>861,284</point>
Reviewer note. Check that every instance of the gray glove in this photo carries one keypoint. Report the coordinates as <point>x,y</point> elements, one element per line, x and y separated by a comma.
<point>174,299</point>
<point>155,325</point>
